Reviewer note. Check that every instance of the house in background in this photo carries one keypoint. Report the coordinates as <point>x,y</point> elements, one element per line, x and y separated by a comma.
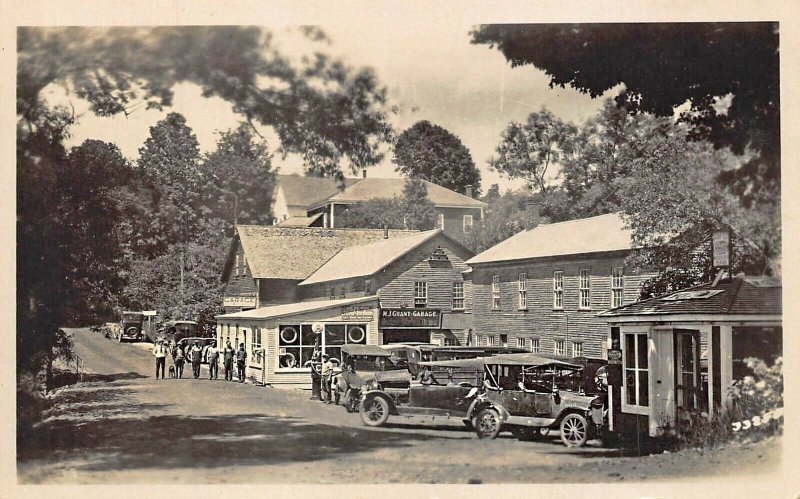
<point>297,196</point>
<point>542,288</point>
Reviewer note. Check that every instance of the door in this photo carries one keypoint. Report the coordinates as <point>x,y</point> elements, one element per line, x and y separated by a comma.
<point>687,371</point>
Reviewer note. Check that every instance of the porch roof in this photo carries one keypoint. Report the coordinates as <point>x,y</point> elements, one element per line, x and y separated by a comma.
<point>294,308</point>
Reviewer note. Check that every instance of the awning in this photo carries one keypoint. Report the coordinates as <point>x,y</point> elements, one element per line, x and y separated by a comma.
<point>294,308</point>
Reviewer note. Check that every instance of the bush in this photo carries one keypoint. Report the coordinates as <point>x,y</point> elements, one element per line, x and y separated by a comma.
<point>749,397</point>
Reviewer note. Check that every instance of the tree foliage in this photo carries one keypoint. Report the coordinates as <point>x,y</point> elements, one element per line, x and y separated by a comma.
<point>413,211</point>
<point>429,152</point>
<point>727,72</point>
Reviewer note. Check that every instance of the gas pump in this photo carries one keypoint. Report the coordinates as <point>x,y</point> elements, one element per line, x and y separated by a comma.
<point>316,362</point>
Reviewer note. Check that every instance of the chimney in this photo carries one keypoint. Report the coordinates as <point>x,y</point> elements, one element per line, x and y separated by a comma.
<point>468,191</point>
<point>364,172</point>
<point>532,212</point>
<point>385,231</point>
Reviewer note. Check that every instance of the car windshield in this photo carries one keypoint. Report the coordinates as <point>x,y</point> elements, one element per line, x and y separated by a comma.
<point>371,363</point>
<point>545,378</point>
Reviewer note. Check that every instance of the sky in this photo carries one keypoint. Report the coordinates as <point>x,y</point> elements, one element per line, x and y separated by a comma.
<point>432,73</point>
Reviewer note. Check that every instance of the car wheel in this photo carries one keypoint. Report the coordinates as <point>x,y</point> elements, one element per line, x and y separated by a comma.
<point>487,423</point>
<point>375,411</point>
<point>574,430</point>
<point>351,404</point>
<point>336,397</point>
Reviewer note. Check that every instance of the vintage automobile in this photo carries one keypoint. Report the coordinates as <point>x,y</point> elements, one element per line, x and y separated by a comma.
<point>178,330</point>
<point>449,389</point>
<point>411,354</point>
<point>132,327</point>
<point>366,362</point>
<point>406,355</point>
<point>527,394</point>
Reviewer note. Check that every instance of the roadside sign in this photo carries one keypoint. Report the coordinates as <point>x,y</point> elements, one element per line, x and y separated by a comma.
<point>615,356</point>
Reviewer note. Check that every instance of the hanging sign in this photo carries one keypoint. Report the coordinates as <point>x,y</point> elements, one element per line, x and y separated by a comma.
<point>615,356</point>
<point>721,248</point>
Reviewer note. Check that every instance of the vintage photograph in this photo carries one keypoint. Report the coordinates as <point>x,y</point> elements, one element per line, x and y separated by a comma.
<point>351,253</point>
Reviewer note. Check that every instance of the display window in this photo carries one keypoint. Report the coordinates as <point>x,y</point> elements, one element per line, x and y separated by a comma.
<point>296,342</point>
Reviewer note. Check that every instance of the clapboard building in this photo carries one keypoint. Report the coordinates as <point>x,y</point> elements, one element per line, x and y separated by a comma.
<point>542,288</point>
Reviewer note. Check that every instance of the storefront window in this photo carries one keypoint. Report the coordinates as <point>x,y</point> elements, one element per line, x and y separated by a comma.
<point>255,346</point>
<point>636,369</point>
<point>296,342</point>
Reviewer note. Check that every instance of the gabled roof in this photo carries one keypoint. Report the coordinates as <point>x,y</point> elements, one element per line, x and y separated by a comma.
<point>299,221</point>
<point>299,190</point>
<point>587,235</point>
<point>370,188</point>
<point>274,252</point>
<point>368,259</point>
<point>739,296</point>
<point>294,308</point>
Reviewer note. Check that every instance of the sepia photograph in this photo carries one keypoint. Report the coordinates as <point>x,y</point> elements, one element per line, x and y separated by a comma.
<point>361,252</point>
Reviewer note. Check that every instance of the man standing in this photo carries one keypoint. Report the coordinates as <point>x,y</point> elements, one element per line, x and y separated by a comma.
<point>160,352</point>
<point>327,378</point>
<point>213,361</point>
<point>241,361</point>
<point>196,355</point>
<point>227,357</point>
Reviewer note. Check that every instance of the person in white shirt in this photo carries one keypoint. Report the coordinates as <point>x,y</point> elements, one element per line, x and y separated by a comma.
<point>160,353</point>
<point>327,378</point>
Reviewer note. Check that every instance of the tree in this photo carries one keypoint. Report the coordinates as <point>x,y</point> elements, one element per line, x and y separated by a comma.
<point>528,150</point>
<point>430,152</point>
<point>419,211</point>
<point>727,72</point>
<point>333,115</point>
<point>239,172</point>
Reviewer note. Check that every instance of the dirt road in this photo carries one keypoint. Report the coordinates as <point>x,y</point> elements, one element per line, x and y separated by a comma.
<point>123,426</point>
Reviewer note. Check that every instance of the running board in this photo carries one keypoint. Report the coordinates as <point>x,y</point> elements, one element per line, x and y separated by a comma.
<point>528,421</point>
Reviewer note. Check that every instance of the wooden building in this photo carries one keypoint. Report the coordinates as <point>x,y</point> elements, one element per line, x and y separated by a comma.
<point>542,288</point>
<point>680,354</point>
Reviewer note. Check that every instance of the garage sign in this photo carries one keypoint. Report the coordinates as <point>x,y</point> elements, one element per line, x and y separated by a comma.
<point>410,318</point>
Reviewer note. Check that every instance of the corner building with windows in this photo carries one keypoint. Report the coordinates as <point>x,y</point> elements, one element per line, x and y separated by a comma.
<point>409,287</point>
<point>542,288</point>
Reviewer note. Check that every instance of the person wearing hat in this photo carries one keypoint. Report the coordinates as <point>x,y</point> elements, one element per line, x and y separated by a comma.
<point>212,354</point>
<point>160,353</point>
<point>327,378</point>
<point>241,361</point>
<point>196,356</point>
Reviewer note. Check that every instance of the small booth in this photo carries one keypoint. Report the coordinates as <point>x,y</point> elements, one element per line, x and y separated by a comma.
<point>679,354</point>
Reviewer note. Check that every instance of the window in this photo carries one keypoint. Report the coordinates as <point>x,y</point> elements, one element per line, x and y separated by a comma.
<point>440,221</point>
<point>296,342</point>
<point>496,292</point>
<point>560,347</point>
<point>503,340</point>
<point>635,368</point>
<point>583,285</point>
<point>520,342</point>
<point>343,291</point>
<point>491,341</point>
<point>244,264</point>
<point>420,294</point>
<point>332,293</point>
<point>255,345</point>
<point>617,285</point>
<point>535,345</point>
<point>522,287</point>
<point>467,223</point>
<point>558,289</point>
<point>236,265</point>
<point>458,296</point>
<point>577,349</point>
<point>368,286</point>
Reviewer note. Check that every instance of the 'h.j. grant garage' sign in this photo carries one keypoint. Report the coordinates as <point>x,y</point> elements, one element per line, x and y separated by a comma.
<point>409,318</point>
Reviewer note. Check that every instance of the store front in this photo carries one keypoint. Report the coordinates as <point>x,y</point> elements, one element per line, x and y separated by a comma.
<point>280,340</point>
<point>405,325</point>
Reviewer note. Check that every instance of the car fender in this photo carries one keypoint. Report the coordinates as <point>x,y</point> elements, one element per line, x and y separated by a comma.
<point>478,405</point>
<point>378,393</point>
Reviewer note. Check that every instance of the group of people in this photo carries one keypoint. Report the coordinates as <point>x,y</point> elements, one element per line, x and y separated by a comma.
<point>193,353</point>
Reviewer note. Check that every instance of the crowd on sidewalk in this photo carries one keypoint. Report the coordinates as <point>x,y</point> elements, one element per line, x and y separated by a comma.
<point>194,354</point>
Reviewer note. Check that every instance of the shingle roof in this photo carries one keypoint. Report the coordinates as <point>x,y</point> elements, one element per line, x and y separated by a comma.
<point>367,259</point>
<point>308,191</point>
<point>740,296</point>
<point>299,221</point>
<point>293,308</point>
<point>370,188</point>
<point>295,252</point>
<point>586,235</point>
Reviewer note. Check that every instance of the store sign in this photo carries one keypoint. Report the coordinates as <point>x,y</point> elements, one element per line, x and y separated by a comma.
<point>357,313</point>
<point>721,248</point>
<point>615,356</point>
<point>409,318</point>
<point>248,300</point>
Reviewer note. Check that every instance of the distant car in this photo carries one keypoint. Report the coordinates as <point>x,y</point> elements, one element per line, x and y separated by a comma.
<point>132,327</point>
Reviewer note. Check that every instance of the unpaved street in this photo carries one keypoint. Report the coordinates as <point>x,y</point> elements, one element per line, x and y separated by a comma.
<point>122,426</point>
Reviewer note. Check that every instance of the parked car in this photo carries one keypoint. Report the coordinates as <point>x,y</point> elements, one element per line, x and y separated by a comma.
<point>178,330</point>
<point>406,355</point>
<point>440,396</point>
<point>528,394</point>
<point>411,354</point>
<point>363,362</point>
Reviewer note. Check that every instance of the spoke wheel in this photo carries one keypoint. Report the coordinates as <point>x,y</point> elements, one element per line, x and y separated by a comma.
<point>487,423</point>
<point>375,411</point>
<point>574,430</point>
